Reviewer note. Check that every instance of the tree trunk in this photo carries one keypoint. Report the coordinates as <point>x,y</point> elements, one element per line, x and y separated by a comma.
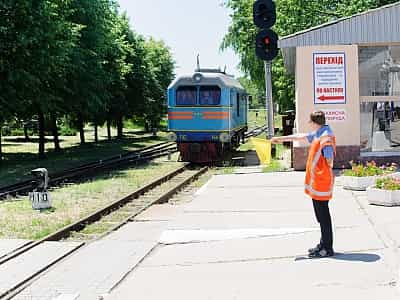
<point>146,126</point>
<point>109,130</point>
<point>27,139</point>
<point>81,129</point>
<point>120,127</point>
<point>54,130</point>
<point>1,153</point>
<point>41,134</point>
<point>96,134</point>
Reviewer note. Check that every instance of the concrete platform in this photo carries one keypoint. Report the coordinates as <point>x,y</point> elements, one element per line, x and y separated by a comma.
<point>9,246</point>
<point>242,264</point>
<point>23,267</point>
<point>98,267</point>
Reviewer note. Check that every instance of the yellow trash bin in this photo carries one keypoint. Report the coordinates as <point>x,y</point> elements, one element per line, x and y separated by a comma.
<point>263,149</point>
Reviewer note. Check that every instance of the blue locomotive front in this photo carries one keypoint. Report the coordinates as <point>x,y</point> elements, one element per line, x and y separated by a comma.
<point>207,115</point>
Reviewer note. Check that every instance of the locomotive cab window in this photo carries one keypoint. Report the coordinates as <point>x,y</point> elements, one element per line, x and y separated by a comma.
<point>210,95</point>
<point>186,95</point>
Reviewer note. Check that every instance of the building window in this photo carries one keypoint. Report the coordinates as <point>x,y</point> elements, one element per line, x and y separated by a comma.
<point>379,69</point>
<point>380,126</point>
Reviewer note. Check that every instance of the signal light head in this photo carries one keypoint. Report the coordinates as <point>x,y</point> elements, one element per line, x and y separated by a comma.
<point>267,44</point>
<point>264,13</point>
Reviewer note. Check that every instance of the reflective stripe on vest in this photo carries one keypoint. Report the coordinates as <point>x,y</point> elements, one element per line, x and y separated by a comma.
<point>316,193</point>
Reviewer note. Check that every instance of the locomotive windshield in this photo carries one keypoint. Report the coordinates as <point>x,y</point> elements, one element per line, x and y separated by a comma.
<point>186,95</point>
<point>210,95</point>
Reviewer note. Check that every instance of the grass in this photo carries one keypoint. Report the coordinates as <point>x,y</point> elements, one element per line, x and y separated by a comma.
<point>21,157</point>
<point>255,120</point>
<point>73,202</point>
<point>279,163</point>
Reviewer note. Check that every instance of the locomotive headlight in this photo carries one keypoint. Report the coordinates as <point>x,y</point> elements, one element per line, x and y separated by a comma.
<point>197,77</point>
<point>172,137</point>
<point>224,137</point>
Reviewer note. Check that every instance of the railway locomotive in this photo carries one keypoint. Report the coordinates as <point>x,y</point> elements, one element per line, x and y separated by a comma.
<point>207,115</point>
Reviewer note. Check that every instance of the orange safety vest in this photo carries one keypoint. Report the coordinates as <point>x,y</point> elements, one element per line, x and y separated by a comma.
<point>319,175</point>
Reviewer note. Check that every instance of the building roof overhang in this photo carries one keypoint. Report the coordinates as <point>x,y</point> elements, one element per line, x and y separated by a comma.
<point>377,26</point>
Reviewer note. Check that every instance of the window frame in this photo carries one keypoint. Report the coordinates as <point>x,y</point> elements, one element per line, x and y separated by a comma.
<point>199,87</point>
<point>195,88</point>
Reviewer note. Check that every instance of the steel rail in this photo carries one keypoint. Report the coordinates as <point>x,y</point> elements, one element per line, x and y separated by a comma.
<point>96,216</point>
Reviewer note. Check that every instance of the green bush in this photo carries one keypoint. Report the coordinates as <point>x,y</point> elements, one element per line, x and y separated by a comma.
<point>67,131</point>
<point>388,183</point>
<point>369,169</point>
<point>130,124</point>
<point>17,132</point>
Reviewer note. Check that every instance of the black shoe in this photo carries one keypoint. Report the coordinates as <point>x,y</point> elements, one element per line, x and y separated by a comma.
<point>321,253</point>
<point>315,249</point>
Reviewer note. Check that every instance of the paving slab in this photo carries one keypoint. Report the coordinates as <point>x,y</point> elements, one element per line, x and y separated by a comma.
<point>276,279</point>
<point>26,265</point>
<point>256,199</point>
<point>7,246</point>
<point>96,268</point>
<point>203,263</point>
<point>263,248</point>
<point>259,179</point>
<point>162,212</point>
<point>249,170</point>
<point>269,219</point>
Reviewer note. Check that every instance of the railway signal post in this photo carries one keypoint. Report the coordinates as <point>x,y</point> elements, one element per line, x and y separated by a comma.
<point>264,17</point>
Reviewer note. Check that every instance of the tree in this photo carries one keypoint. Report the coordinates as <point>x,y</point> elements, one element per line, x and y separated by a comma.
<point>161,68</point>
<point>292,16</point>
<point>86,91</point>
<point>117,68</point>
<point>35,40</point>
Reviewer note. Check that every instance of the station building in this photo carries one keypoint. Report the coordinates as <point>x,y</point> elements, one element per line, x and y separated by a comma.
<point>350,69</point>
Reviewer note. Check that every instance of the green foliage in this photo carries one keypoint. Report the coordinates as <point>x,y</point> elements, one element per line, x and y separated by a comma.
<point>388,183</point>
<point>292,16</point>
<point>369,169</point>
<point>81,59</point>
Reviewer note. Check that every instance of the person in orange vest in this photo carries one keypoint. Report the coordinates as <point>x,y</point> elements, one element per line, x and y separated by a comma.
<point>319,179</point>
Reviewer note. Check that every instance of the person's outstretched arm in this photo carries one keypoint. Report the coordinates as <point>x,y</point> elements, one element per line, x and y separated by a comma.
<point>290,138</point>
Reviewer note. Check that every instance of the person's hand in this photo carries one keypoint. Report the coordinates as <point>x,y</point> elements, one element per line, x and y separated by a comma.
<point>276,140</point>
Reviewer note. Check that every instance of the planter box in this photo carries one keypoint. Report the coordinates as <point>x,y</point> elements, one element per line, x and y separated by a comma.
<point>383,197</point>
<point>358,183</point>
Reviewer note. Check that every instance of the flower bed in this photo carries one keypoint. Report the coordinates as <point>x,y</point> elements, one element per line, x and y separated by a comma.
<point>386,192</point>
<point>362,176</point>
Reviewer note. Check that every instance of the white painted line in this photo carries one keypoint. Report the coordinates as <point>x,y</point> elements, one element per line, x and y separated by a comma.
<point>169,237</point>
<point>67,297</point>
<point>203,188</point>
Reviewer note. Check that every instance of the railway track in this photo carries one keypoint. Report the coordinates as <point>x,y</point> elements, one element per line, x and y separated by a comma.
<point>114,215</point>
<point>93,168</point>
<point>255,131</point>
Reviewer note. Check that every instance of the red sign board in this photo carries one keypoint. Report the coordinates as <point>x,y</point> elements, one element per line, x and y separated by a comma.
<point>329,78</point>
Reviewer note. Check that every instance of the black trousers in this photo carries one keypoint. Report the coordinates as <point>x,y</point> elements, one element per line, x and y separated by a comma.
<point>321,209</point>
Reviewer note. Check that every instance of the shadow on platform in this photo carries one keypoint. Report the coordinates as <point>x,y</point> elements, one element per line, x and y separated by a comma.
<point>362,257</point>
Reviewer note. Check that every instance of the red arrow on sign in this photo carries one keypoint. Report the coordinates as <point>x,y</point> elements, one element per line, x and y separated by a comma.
<point>328,98</point>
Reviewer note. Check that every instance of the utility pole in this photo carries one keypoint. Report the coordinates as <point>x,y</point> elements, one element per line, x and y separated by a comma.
<point>268,99</point>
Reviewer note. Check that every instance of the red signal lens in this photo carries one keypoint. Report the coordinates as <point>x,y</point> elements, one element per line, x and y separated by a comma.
<point>267,41</point>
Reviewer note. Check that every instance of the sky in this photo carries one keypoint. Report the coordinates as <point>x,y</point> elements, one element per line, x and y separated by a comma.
<point>188,27</point>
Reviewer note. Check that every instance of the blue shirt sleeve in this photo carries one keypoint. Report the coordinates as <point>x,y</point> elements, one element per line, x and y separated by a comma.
<point>328,152</point>
<point>310,137</point>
